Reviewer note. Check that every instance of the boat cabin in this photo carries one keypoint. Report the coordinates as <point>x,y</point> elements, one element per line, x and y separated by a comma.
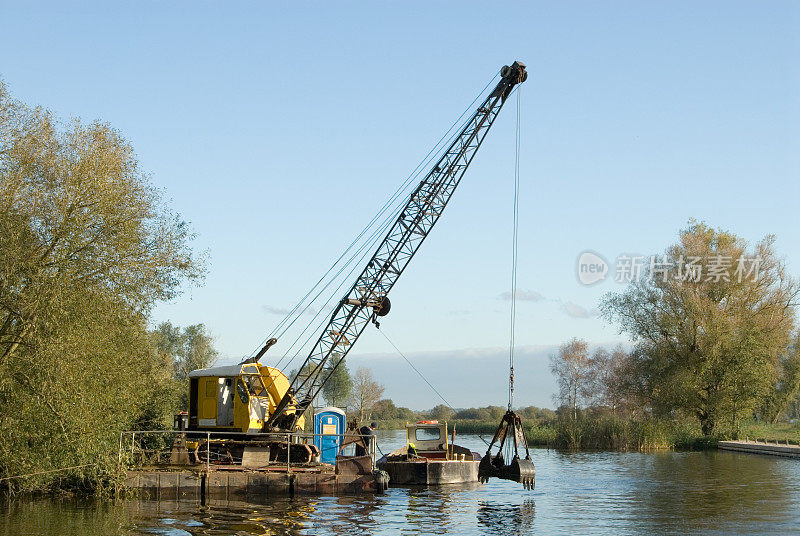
<point>429,438</point>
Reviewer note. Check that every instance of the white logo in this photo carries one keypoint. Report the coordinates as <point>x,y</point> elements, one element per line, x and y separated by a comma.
<point>591,268</point>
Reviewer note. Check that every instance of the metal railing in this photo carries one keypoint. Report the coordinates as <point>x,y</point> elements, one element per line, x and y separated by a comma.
<point>151,446</point>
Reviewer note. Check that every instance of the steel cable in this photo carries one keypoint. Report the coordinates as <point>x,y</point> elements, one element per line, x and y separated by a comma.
<point>296,311</point>
<point>514,258</point>
<point>417,370</point>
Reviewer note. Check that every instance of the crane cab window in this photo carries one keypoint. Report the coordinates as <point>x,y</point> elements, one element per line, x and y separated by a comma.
<point>253,381</point>
<point>241,390</point>
<point>254,385</point>
<point>427,434</point>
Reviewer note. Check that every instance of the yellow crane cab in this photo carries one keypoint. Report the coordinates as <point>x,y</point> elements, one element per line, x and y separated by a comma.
<point>235,398</point>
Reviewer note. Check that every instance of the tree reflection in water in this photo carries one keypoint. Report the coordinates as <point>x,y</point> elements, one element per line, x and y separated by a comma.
<point>712,490</point>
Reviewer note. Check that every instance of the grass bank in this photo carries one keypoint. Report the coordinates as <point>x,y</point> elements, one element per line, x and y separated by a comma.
<point>783,432</point>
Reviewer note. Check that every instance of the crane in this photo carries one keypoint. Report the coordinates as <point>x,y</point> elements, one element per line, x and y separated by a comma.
<point>254,404</point>
<point>368,299</point>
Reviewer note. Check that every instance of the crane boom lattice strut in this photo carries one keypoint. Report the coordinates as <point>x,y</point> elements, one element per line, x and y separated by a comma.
<point>368,297</point>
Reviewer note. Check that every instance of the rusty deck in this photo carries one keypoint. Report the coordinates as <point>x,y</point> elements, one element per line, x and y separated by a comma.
<point>236,482</point>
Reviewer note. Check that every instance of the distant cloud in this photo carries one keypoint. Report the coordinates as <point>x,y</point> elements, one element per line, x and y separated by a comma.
<point>576,311</point>
<point>270,310</point>
<point>460,385</point>
<point>523,295</point>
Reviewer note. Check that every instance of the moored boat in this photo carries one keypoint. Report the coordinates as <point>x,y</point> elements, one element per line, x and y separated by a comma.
<point>429,458</point>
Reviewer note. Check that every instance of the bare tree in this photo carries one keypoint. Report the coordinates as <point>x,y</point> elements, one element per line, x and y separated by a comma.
<point>365,393</point>
<point>574,374</point>
<point>609,375</point>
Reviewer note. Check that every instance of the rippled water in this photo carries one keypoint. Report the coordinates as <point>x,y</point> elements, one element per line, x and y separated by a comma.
<point>576,493</point>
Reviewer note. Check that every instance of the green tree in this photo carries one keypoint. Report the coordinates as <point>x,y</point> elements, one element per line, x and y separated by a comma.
<point>385,410</point>
<point>185,349</point>
<point>708,342</point>
<point>441,413</point>
<point>190,348</point>
<point>787,389</point>
<point>87,247</point>
<point>534,416</point>
<point>339,384</point>
<point>486,414</point>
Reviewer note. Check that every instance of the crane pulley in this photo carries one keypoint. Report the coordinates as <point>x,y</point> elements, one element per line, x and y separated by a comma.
<point>368,298</point>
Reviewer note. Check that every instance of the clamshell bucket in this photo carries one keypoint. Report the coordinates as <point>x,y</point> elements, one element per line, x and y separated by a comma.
<point>519,470</point>
<point>493,465</point>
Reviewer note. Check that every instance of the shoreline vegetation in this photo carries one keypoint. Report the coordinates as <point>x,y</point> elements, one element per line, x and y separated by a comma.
<point>88,247</point>
<point>589,429</point>
<point>614,433</point>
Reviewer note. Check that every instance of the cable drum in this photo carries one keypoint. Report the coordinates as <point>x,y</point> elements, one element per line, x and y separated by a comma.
<point>383,307</point>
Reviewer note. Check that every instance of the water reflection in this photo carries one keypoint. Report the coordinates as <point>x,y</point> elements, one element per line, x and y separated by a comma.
<point>495,518</point>
<point>179,518</point>
<point>597,493</point>
<point>56,517</point>
<point>703,491</point>
<point>345,515</point>
<point>427,510</point>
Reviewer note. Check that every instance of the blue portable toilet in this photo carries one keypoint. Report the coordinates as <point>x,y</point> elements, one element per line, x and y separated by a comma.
<point>329,426</point>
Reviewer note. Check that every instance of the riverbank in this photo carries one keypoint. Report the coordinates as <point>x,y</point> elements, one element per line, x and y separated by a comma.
<point>615,433</point>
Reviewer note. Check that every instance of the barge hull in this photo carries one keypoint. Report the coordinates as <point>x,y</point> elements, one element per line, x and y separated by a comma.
<point>431,472</point>
<point>242,484</point>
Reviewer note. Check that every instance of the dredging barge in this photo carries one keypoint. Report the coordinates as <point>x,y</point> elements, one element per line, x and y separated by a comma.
<point>177,472</point>
<point>428,459</point>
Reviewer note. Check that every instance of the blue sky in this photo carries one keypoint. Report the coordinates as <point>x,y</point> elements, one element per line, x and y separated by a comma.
<point>279,129</point>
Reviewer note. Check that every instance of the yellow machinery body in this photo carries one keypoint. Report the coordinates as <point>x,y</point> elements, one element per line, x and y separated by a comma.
<point>237,398</point>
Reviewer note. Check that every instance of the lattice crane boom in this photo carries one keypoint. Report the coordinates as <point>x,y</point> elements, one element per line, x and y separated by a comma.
<point>368,297</point>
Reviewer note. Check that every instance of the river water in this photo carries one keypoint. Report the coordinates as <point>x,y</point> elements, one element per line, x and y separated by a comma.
<point>576,493</point>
